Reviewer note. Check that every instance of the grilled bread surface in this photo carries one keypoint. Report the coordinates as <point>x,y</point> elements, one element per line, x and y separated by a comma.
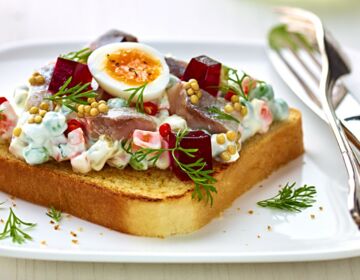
<point>154,202</point>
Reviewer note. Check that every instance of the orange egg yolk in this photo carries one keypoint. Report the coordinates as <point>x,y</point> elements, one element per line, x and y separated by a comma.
<point>132,66</point>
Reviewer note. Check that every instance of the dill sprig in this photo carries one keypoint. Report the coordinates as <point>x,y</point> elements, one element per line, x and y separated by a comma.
<point>137,92</point>
<point>236,86</point>
<point>1,115</point>
<point>79,56</point>
<point>291,199</point>
<point>70,97</point>
<point>202,179</point>
<point>54,214</point>
<point>13,229</point>
<point>220,115</point>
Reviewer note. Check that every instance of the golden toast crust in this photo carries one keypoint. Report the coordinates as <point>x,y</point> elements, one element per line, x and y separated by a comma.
<point>152,203</point>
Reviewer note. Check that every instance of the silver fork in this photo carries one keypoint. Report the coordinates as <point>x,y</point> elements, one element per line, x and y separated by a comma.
<point>333,66</point>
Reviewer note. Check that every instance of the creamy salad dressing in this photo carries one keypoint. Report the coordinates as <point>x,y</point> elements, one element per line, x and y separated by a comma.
<point>39,143</point>
<point>49,139</point>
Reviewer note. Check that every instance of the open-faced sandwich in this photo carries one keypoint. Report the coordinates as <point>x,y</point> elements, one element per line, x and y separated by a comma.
<point>122,136</point>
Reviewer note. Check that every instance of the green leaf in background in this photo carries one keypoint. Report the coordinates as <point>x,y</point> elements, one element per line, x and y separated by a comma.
<point>280,37</point>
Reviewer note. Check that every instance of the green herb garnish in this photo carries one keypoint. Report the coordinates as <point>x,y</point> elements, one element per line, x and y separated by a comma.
<point>70,97</point>
<point>54,214</point>
<point>79,56</point>
<point>137,92</point>
<point>13,229</point>
<point>220,115</point>
<point>1,115</point>
<point>202,178</point>
<point>291,199</point>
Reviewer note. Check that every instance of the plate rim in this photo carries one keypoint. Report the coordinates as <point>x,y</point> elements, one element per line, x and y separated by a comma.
<point>179,257</point>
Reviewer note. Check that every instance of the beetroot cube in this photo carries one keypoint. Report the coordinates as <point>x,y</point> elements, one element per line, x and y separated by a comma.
<point>64,69</point>
<point>193,140</point>
<point>206,71</point>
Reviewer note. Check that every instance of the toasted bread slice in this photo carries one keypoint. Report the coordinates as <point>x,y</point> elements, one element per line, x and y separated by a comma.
<point>154,202</point>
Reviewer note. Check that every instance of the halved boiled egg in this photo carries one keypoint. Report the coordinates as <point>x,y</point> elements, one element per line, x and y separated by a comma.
<point>118,67</point>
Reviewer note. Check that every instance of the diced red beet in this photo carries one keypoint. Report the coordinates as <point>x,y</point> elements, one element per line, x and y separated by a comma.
<point>64,69</point>
<point>2,100</point>
<point>206,71</point>
<point>193,140</point>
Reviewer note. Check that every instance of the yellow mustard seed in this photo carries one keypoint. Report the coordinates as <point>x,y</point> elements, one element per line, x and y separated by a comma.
<point>34,110</point>
<point>80,115</point>
<point>102,102</point>
<point>228,108</point>
<point>225,156</point>
<point>220,139</point>
<point>32,80</point>
<point>192,81</point>
<point>244,110</point>
<point>234,98</point>
<point>40,80</point>
<point>199,94</point>
<point>94,104</point>
<point>187,85</point>
<point>38,119</point>
<point>91,100</point>
<point>194,99</point>
<point>195,86</point>
<point>232,149</point>
<point>87,108</point>
<point>44,106</point>
<point>237,106</point>
<point>42,113</point>
<point>31,119</point>
<point>103,108</point>
<point>81,108</point>
<point>231,135</point>
<point>94,112</point>
<point>190,91</point>
<point>17,131</point>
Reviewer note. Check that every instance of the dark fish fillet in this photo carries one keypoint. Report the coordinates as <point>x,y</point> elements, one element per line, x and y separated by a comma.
<point>118,123</point>
<point>197,116</point>
<point>177,67</point>
<point>112,36</point>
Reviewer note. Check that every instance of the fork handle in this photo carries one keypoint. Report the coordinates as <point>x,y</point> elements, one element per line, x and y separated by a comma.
<point>351,164</point>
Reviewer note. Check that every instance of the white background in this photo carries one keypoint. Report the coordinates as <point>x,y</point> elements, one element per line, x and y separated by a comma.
<point>227,20</point>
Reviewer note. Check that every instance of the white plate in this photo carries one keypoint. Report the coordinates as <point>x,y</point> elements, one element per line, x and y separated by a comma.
<point>235,237</point>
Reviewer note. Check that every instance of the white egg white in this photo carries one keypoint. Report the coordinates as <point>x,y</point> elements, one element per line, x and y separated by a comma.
<point>97,62</point>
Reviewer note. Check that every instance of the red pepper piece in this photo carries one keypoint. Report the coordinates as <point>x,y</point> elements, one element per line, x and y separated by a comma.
<point>150,108</point>
<point>2,100</point>
<point>165,130</point>
<point>206,71</point>
<point>193,140</point>
<point>72,125</point>
<point>228,95</point>
<point>64,69</point>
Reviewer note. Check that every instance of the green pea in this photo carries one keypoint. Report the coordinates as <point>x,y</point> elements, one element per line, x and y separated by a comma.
<point>262,91</point>
<point>280,109</point>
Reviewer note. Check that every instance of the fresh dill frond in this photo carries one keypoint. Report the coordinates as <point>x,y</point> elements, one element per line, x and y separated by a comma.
<point>220,115</point>
<point>291,199</point>
<point>13,229</point>
<point>137,92</point>
<point>70,97</point>
<point>79,56</point>
<point>54,214</point>
<point>202,179</point>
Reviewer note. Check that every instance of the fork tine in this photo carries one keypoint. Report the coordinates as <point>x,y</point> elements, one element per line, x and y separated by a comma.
<point>306,88</point>
<point>309,52</point>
